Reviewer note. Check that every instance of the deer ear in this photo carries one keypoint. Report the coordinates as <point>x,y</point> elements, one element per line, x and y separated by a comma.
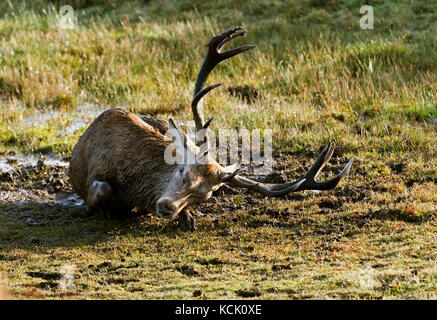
<point>229,172</point>
<point>186,149</point>
<point>178,137</point>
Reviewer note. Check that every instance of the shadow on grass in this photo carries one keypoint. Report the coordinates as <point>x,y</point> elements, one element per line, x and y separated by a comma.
<point>41,226</point>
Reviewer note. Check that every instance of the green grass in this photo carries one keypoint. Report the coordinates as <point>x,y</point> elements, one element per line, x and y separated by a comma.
<point>319,78</point>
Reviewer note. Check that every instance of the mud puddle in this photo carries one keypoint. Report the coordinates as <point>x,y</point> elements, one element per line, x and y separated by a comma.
<point>14,160</point>
<point>29,179</point>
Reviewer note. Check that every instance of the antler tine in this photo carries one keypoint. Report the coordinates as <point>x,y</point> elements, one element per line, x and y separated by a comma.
<point>322,160</point>
<point>271,190</point>
<point>306,183</point>
<point>200,127</point>
<point>214,57</point>
<point>197,117</point>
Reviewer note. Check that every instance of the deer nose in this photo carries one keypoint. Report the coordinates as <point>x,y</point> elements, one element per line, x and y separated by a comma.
<point>165,208</point>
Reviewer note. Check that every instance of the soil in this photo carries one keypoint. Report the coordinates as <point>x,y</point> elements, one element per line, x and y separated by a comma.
<point>38,183</point>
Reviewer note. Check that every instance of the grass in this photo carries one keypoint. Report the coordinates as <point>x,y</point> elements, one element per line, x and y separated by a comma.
<point>319,77</point>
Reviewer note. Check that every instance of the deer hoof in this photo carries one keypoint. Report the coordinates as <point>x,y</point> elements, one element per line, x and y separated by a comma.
<point>186,221</point>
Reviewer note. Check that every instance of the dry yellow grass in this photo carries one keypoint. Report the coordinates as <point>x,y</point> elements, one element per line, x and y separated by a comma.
<point>4,292</point>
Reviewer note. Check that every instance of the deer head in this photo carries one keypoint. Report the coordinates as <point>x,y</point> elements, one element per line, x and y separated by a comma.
<point>196,177</point>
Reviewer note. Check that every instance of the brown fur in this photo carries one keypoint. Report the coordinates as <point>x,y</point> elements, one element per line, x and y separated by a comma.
<point>159,124</point>
<point>126,152</point>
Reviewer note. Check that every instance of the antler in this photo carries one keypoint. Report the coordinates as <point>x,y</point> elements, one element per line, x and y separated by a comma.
<point>307,182</point>
<point>214,57</point>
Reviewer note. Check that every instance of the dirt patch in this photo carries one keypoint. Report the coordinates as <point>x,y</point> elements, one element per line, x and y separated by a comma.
<point>278,267</point>
<point>197,293</point>
<point>119,281</point>
<point>26,189</point>
<point>47,285</point>
<point>188,270</point>
<point>108,266</point>
<point>248,293</point>
<point>397,167</point>
<point>45,275</point>
<point>212,261</point>
<point>39,177</point>
<point>330,203</point>
<point>407,214</point>
<point>246,93</point>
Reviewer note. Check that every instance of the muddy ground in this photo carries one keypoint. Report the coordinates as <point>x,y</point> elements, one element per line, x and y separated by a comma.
<point>361,240</point>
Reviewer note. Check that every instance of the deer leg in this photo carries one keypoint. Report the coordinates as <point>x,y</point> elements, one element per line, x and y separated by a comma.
<point>99,192</point>
<point>186,221</point>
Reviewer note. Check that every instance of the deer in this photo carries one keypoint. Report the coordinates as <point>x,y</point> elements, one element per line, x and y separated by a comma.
<point>118,163</point>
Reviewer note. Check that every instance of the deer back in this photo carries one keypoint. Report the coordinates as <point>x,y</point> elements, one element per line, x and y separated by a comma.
<point>128,153</point>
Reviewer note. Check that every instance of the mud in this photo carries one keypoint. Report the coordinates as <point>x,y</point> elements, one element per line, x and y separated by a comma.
<point>35,190</point>
<point>36,180</point>
<point>14,160</point>
<point>249,293</point>
<point>246,93</point>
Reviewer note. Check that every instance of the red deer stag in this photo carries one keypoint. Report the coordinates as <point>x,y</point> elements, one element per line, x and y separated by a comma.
<point>118,163</point>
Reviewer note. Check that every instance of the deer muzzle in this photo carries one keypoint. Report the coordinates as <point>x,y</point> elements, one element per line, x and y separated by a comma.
<point>165,208</point>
